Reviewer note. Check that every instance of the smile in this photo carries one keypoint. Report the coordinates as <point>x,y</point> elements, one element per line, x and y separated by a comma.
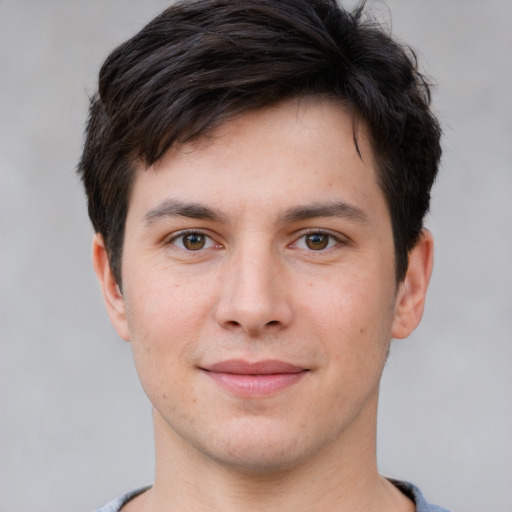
<point>247,379</point>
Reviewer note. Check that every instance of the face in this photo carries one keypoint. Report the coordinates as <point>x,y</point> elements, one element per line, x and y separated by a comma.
<point>259,289</point>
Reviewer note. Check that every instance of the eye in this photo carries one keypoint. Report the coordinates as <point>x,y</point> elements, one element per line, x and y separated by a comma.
<point>192,241</point>
<point>316,241</point>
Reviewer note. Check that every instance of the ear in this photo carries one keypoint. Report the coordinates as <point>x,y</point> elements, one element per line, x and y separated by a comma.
<point>411,293</point>
<point>114,301</point>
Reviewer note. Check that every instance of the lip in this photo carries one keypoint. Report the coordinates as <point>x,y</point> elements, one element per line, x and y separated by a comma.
<point>253,379</point>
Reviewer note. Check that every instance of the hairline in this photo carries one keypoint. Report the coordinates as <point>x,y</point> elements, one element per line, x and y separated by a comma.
<point>209,135</point>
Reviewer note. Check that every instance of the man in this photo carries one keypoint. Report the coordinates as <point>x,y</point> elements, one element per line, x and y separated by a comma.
<point>258,172</point>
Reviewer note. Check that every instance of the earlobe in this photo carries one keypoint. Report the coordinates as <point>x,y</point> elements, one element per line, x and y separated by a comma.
<point>114,301</point>
<point>411,294</point>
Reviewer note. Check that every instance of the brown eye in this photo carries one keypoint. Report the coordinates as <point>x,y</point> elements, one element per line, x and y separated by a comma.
<point>317,241</point>
<point>193,241</point>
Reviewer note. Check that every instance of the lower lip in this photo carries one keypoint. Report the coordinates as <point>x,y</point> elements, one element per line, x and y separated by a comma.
<point>255,385</point>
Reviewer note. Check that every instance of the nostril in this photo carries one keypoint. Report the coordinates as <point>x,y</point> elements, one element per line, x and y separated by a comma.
<point>273,322</point>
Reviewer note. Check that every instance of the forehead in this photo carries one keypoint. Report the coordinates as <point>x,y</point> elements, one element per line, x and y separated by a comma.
<point>298,151</point>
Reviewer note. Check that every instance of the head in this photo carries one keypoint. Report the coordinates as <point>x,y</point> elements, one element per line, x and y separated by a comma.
<point>202,63</point>
<point>258,172</point>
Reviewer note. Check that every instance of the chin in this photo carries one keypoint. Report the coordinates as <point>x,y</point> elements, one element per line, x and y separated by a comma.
<point>258,460</point>
<point>259,448</point>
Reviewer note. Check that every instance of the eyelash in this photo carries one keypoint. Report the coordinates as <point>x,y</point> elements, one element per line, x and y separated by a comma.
<point>209,243</point>
<point>333,240</point>
<point>182,234</point>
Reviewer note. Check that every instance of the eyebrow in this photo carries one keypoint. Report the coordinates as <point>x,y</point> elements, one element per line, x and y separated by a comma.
<point>177,208</point>
<point>331,209</point>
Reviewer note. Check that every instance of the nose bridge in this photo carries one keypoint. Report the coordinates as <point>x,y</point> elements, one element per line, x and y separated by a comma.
<point>252,296</point>
<point>253,269</point>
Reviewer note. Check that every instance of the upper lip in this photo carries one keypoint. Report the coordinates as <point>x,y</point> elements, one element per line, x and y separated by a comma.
<point>265,367</point>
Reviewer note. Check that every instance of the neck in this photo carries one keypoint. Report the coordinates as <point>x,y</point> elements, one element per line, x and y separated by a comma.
<point>341,477</point>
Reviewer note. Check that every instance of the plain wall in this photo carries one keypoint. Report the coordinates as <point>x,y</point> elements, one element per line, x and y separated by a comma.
<point>75,426</point>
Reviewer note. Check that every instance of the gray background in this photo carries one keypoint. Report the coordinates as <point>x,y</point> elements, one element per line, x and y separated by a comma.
<point>75,425</point>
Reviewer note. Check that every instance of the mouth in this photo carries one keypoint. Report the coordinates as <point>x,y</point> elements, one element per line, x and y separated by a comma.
<point>253,379</point>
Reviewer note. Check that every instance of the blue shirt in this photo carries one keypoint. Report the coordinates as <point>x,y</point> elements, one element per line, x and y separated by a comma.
<point>408,489</point>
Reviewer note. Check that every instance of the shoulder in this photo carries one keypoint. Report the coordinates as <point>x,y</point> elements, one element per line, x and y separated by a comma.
<point>407,488</point>
<point>116,504</point>
<point>415,494</point>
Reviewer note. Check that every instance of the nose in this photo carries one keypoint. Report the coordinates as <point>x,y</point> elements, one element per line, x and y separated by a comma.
<point>253,296</point>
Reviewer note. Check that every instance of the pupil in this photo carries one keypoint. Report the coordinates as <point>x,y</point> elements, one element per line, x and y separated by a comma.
<point>194,241</point>
<point>317,241</point>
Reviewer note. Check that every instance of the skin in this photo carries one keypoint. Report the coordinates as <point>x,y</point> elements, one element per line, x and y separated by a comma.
<point>275,280</point>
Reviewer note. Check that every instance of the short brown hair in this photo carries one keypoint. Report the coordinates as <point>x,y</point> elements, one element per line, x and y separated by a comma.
<point>203,62</point>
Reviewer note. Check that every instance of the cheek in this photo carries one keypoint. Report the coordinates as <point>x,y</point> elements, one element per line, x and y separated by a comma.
<point>351,302</point>
<point>163,302</point>
<point>353,319</point>
<point>165,319</point>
